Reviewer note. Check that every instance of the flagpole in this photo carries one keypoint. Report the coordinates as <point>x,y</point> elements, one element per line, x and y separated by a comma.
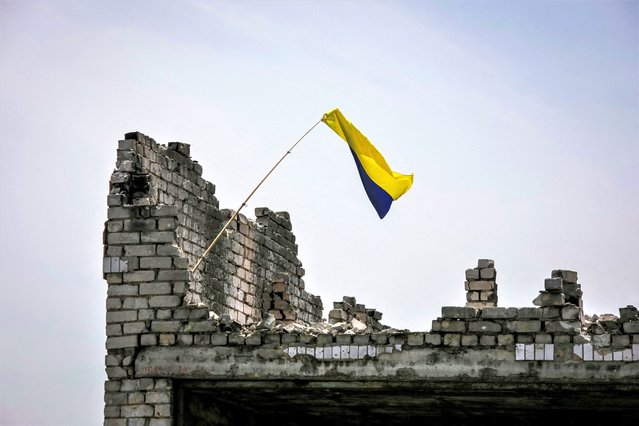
<point>217,237</point>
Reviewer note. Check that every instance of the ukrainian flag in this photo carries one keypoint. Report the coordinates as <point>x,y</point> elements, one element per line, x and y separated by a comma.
<point>382,185</point>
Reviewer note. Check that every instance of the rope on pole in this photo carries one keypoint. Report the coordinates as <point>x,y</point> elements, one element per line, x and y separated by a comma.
<point>217,237</point>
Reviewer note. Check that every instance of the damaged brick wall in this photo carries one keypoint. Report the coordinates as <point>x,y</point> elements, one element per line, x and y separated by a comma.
<point>245,313</point>
<point>157,195</point>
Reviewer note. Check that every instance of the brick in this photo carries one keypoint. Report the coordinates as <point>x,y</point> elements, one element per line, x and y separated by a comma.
<point>165,301</point>
<point>219,339</point>
<point>569,327</point>
<point>155,262</point>
<point>487,274</point>
<point>158,397</point>
<point>485,263</point>
<point>472,274</point>
<point>165,326</point>
<point>113,303</point>
<point>138,276</point>
<point>157,237</point>
<point>116,372</point>
<point>415,339</point>
<point>453,326</point>
<point>111,411</point>
<point>123,238</point>
<point>148,340</point>
<point>452,340</point>
<point>167,339</point>
<point>498,313</point>
<point>161,422</point>
<point>455,312</point>
<point>160,211</point>
<point>168,250</point>
<point>115,422</point>
<point>140,250</point>
<point>487,340</point>
<point>553,284</point>
<point>141,410</point>
<point>163,410</point>
<point>155,288</point>
<point>114,200</point>
<point>139,225</point>
<point>174,275</point>
<point>122,342</point>
<point>361,339</point>
<point>167,224</point>
<point>479,285</point>
<point>469,340</point>
<point>121,316</point>
<point>484,327</point>
<point>120,212</point>
<point>523,326</point>
<point>133,327</point>
<point>135,303</point>
<point>631,327</point>
<point>433,339</point>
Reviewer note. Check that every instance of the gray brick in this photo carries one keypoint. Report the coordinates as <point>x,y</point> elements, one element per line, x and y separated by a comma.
<point>434,339</point>
<point>162,410</point>
<point>472,274</point>
<point>116,372</point>
<point>158,237</point>
<point>155,262</point>
<point>457,312</point>
<point>142,250</point>
<point>123,238</point>
<point>138,276</point>
<point>553,284</point>
<point>158,397</point>
<point>160,211</point>
<point>415,339</point>
<point>121,342</point>
<point>485,263</point>
<point>479,285</point>
<point>166,326</point>
<point>453,326</point>
<point>498,313</point>
<point>161,422</point>
<point>120,212</point>
<point>174,275</point>
<point>487,274</point>
<point>167,224</point>
<point>133,327</point>
<point>148,340</point>
<point>528,313</point>
<point>219,339</point>
<point>114,422</point>
<point>155,288</point>
<point>524,326</point>
<point>469,340</point>
<point>114,329</point>
<point>121,316</point>
<point>484,327</point>
<point>168,250</point>
<point>167,339</point>
<point>505,340</point>
<point>165,301</point>
<point>136,303</point>
<point>141,410</point>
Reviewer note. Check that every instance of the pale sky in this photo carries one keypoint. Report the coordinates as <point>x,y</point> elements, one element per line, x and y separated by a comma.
<point>519,120</point>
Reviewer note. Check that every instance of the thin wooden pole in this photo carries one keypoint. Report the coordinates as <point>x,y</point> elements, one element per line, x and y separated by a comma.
<point>217,237</point>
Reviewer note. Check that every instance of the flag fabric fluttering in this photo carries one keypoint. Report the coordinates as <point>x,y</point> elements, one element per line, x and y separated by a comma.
<point>382,185</point>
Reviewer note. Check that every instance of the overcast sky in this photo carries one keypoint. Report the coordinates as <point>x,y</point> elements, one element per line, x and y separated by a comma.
<point>519,120</point>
